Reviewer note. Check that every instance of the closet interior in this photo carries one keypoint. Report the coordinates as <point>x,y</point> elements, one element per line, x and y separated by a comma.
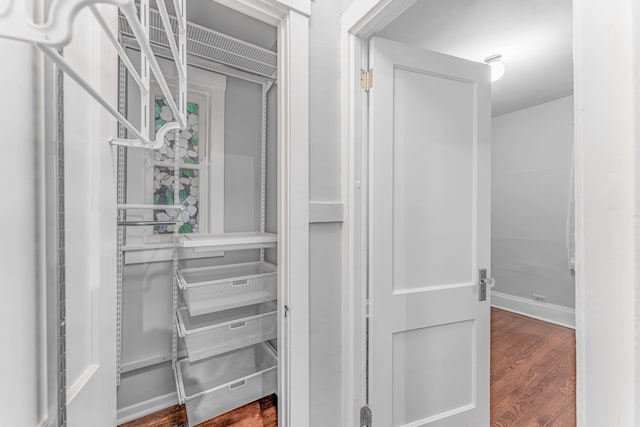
<point>197,239</point>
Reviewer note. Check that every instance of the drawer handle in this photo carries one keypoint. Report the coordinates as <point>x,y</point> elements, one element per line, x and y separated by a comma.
<point>240,283</point>
<point>238,385</point>
<point>238,325</point>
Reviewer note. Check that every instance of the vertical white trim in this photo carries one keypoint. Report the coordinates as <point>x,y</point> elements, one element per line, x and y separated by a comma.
<point>606,141</point>
<point>353,236</point>
<point>293,217</point>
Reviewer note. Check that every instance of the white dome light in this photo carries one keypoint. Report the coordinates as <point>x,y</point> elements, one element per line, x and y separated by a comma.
<point>497,66</point>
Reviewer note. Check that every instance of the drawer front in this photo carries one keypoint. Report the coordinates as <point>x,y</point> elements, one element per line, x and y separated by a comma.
<point>235,293</point>
<point>241,333</point>
<point>224,399</point>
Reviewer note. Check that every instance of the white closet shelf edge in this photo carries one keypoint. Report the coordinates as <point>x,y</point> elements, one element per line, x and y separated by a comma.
<point>229,241</point>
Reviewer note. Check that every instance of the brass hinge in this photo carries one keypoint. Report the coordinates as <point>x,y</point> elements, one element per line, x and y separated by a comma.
<point>366,80</point>
<point>365,416</point>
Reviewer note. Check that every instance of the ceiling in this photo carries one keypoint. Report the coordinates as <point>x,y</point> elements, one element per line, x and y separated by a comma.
<point>215,16</point>
<point>533,36</point>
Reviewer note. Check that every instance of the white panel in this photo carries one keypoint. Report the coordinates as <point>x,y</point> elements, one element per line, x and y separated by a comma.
<point>78,112</point>
<point>91,230</point>
<point>421,387</point>
<point>19,401</point>
<point>432,180</point>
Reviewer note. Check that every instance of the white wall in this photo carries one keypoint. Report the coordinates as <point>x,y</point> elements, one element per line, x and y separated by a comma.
<point>325,238</point>
<point>19,398</point>
<point>531,167</point>
<point>607,206</point>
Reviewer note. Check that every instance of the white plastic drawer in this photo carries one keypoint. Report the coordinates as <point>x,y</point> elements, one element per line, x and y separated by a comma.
<point>209,289</point>
<point>219,384</point>
<point>220,332</point>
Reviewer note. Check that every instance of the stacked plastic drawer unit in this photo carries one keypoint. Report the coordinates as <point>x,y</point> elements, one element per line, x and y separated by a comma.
<point>229,315</point>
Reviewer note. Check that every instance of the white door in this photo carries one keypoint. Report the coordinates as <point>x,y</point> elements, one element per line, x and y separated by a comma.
<point>429,236</point>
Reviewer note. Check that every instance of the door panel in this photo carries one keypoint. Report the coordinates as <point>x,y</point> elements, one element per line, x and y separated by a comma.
<point>432,180</point>
<point>423,393</point>
<point>429,118</point>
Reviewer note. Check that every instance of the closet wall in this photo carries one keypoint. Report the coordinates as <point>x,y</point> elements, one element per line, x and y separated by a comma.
<point>147,309</point>
<point>530,193</point>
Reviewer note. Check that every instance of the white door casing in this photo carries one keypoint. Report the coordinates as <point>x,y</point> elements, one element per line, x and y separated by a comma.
<point>429,233</point>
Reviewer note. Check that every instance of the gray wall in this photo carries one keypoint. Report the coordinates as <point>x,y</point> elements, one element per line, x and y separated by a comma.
<point>530,193</point>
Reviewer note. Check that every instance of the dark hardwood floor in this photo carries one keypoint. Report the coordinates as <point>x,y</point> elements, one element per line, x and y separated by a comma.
<point>261,413</point>
<point>533,372</point>
<point>533,381</point>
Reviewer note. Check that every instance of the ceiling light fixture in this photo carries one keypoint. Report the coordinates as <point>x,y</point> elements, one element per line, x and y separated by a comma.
<point>497,66</point>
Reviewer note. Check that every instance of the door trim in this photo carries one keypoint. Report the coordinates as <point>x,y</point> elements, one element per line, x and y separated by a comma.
<point>359,22</point>
<point>291,17</point>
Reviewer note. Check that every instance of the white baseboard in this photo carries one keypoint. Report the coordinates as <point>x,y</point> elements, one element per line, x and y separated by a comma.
<point>551,313</point>
<point>141,409</point>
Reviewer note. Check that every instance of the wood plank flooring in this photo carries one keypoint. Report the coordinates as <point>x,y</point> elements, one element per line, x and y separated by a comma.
<point>261,413</point>
<point>533,372</point>
<point>533,381</point>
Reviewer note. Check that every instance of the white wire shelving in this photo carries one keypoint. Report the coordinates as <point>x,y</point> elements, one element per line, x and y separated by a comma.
<point>206,46</point>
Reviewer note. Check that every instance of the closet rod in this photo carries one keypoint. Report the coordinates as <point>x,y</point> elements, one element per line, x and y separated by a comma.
<point>147,206</point>
<point>146,223</point>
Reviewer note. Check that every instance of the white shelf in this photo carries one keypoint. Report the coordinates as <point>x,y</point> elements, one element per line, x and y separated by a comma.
<point>229,241</point>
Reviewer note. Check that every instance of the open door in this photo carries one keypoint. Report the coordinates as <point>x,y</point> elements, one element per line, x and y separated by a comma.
<point>429,237</point>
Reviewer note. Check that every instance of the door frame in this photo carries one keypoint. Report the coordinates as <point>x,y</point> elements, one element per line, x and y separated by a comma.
<point>362,20</point>
<point>359,22</point>
<point>291,17</point>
